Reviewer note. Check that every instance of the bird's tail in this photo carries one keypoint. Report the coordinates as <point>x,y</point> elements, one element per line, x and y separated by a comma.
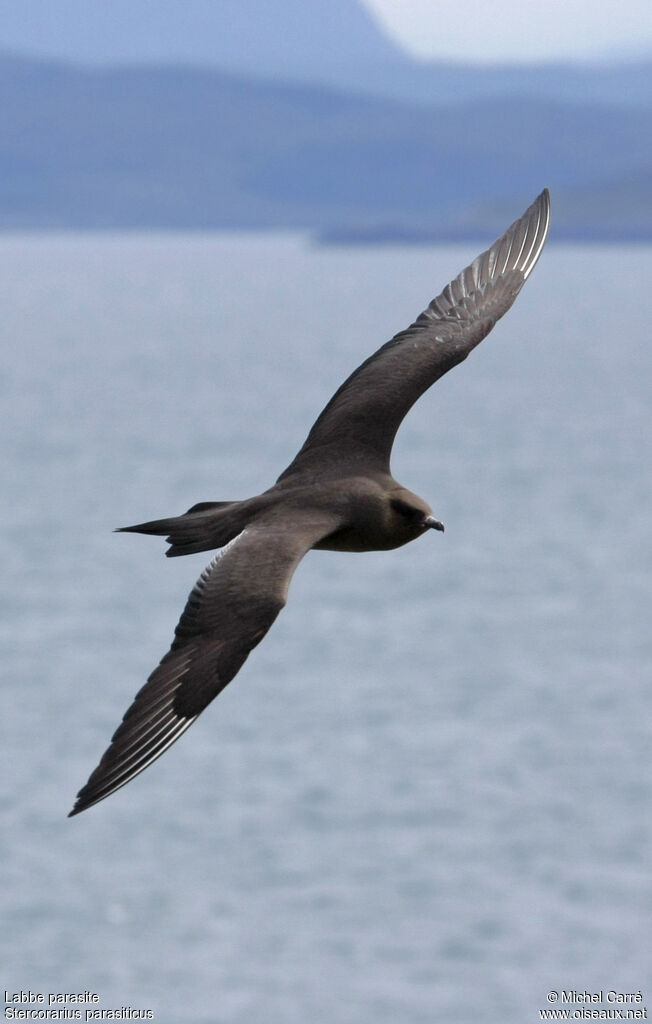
<point>210,524</point>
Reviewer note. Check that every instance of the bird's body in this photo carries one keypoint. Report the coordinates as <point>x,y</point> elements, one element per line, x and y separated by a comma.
<point>338,494</point>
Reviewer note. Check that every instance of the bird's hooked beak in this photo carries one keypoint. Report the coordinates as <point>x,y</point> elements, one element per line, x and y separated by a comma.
<point>433,524</point>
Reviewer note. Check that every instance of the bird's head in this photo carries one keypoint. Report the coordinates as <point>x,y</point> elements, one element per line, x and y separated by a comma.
<point>411,515</point>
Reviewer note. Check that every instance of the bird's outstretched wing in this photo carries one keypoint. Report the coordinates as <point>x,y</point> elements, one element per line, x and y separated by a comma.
<point>229,610</point>
<point>359,423</point>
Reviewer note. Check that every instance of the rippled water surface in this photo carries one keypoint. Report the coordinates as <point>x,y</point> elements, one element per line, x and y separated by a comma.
<point>427,795</point>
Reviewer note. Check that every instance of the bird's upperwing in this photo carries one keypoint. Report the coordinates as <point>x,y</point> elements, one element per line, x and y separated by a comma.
<point>359,423</point>
<point>231,607</point>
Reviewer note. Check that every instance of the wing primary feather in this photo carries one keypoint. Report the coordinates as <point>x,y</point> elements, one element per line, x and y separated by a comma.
<point>518,249</point>
<point>104,789</point>
<point>139,738</point>
<point>502,256</point>
<point>541,235</point>
<point>142,712</point>
<point>136,755</point>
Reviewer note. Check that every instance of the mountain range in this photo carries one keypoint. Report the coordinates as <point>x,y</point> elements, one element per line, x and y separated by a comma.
<point>260,122</point>
<point>319,42</point>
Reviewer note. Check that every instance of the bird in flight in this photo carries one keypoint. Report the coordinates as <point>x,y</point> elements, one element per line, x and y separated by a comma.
<point>338,495</point>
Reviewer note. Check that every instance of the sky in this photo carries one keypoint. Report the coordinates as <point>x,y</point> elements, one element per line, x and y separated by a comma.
<point>518,29</point>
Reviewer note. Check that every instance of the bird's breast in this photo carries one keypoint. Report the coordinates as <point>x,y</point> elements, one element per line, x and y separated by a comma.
<point>366,534</point>
<point>351,539</point>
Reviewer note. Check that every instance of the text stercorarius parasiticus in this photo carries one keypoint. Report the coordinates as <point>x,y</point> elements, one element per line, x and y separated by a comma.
<point>337,494</point>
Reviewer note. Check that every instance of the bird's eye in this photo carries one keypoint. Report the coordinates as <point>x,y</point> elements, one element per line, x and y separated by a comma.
<point>404,509</point>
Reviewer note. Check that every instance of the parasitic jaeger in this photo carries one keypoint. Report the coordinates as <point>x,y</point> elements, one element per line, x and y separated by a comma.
<point>338,494</point>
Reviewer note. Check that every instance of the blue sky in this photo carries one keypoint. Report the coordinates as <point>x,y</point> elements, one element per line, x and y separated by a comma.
<point>518,29</point>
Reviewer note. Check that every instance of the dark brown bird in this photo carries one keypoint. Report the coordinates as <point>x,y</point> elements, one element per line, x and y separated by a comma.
<point>338,494</point>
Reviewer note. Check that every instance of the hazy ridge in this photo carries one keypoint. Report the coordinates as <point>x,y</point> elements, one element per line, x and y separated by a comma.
<point>191,148</point>
<point>303,116</point>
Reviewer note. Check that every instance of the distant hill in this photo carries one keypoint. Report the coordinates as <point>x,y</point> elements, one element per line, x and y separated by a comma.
<point>269,38</point>
<point>326,42</point>
<point>198,149</point>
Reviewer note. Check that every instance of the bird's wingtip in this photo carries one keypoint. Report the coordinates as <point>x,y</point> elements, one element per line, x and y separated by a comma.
<point>536,221</point>
<point>82,805</point>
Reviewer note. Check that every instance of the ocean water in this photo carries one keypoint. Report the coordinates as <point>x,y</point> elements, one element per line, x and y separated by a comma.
<point>427,796</point>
